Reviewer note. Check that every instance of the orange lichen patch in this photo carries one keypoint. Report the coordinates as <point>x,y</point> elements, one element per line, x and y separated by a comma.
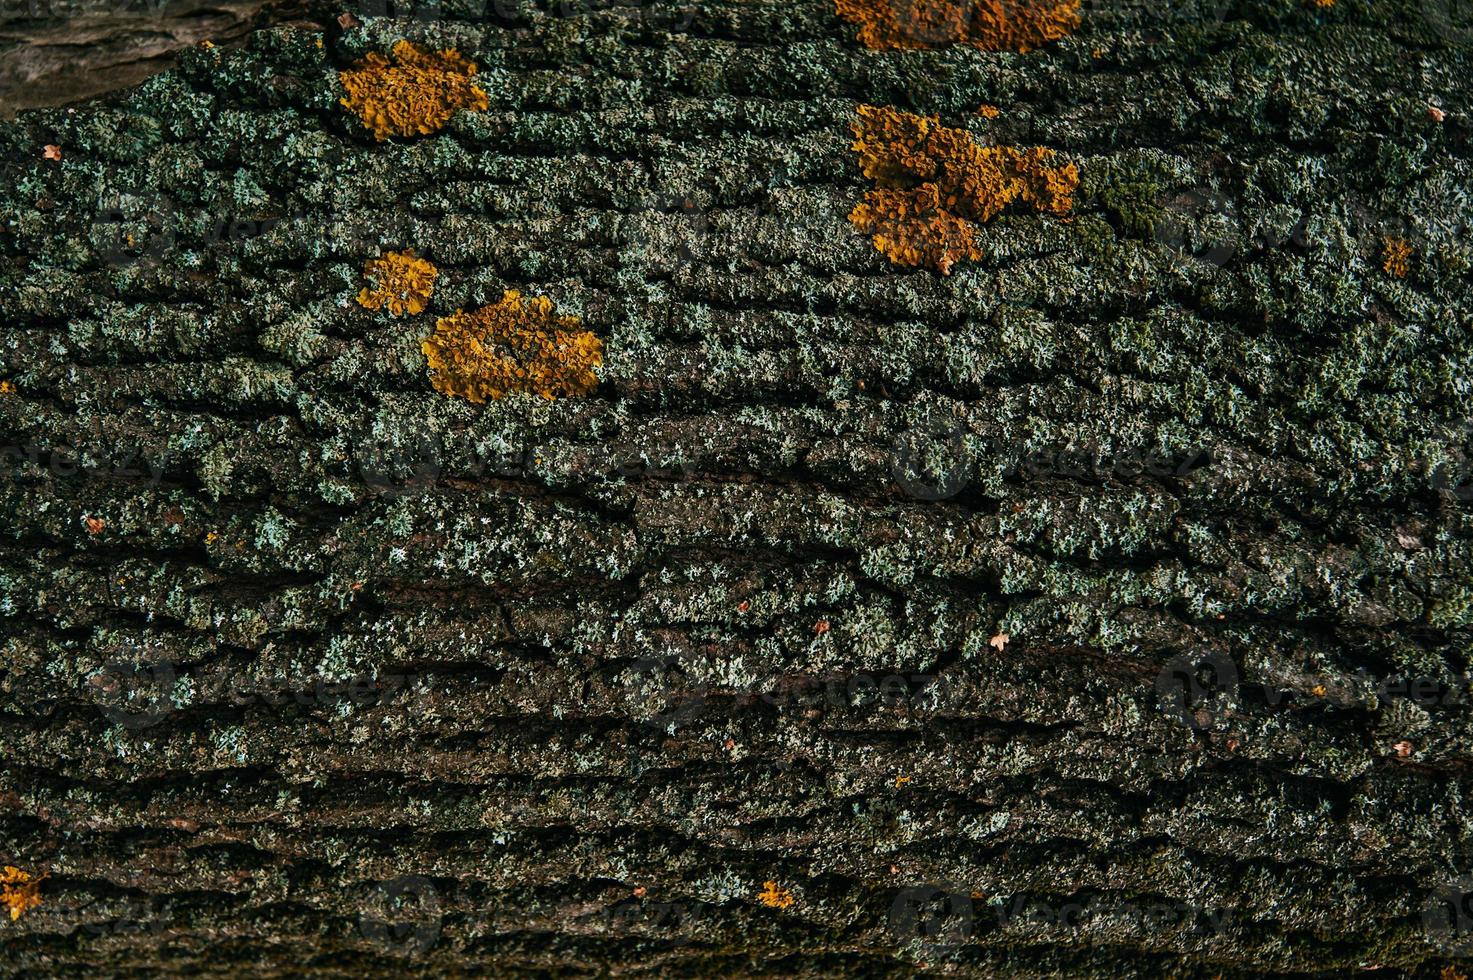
<point>774,896</point>
<point>513,345</point>
<point>7,387</point>
<point>417,94</point>
<point>992,25</point>
<point>934,186</point>
<point>1397,256</point>
<point>402,281</point>
<point>19,891</point>
<point>988,111</point>
<point>1324,3</point>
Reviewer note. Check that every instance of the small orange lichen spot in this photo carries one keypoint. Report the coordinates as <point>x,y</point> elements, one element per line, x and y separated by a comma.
<point>207,44</point>
<point>319,42</point>
<point>999,642</point>
<point>821,627</point>
<point>1318,690</point>
<point>744,606</point>
<point>774,896</point>
<point>1397,254</point>
<point>210,537</point>
<point>1403,750</point>
<point>641,892</point>
<point>992,25</point>
<point>1324,3</point>
<point>94,525</point>
<point>1435,114</point>
<point>935,185</point>
<point>402,281</point>
<point>1448,973</point>
<point>988,111</point>
<point>7,387</point>
<point>51,151</point>
<point>902,780</point>
<point>416,95</point>
<point>513,345</point>
<point>19,891</point>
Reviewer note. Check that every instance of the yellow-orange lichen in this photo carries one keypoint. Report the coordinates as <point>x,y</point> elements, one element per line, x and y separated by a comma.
<point>775,896</point>
<point>992,25</point>
<point>19,891</point>
<point>416,94</point>
<point>988,111</point>
<point>513,345</point>
<point>402,281</point>
<point>1396,256</point>
<point>934,185</point>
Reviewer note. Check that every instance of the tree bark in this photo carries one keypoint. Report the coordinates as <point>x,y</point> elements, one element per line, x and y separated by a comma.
<point>1101,608</point>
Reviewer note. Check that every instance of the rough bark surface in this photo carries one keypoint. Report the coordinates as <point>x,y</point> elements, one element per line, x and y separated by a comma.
<point>306,666</point>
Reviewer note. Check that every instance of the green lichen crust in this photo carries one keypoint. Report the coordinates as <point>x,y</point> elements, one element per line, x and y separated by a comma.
<point>589,631</point>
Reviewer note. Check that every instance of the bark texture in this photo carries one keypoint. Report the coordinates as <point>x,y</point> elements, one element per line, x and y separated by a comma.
<point>1043,619</point>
